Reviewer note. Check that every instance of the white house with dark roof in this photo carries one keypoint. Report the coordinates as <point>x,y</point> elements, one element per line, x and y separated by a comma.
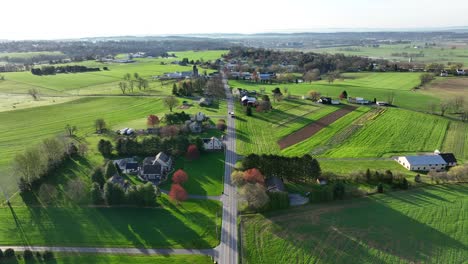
<point>212,144</point>
<point>155,169</point>
<point>423,163</point>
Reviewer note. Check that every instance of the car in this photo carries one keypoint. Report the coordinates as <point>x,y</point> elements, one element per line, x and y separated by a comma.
<point>231,114</point>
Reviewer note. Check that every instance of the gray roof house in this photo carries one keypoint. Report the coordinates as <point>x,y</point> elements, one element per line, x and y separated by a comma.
<point>423,163</point>
<point>118,180</point>
<point>156,169</point>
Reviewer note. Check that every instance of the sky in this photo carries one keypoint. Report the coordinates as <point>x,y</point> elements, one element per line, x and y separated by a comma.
<point>61,19</point>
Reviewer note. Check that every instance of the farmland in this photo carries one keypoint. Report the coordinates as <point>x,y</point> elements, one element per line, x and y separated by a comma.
<point>395,132</point>
<point>367,85</point>
<point>190,226</point>
<point>260,132</point>
<point>438,54</point>
<point>423,225</point>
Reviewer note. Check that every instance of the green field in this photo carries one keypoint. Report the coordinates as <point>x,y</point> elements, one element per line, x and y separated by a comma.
<point>259,133</point>
<point>456,140</point>
<point>42,122</point>
<point>67,258</point>
<point>205,55</point>
<point>368,85</point>
<point>205,175</point>
<point>28,55</point>
<point>344,166</point>
<point>395,132</point>
<point>192,225</point>
<point>425,225</point>
<point>438,54</point>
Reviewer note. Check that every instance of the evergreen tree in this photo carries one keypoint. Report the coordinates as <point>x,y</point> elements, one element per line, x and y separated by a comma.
<point>110,170</point>
<point>98,177</point>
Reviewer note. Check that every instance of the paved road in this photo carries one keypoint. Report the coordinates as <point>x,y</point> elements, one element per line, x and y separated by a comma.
<point>227,252</point>
<point>129,251</point>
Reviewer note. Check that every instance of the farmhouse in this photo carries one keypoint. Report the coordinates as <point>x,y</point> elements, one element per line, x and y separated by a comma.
<point>449,158</point>
<point>155,169</point>
<point>381,103</point>
<point>460,71</point>
<point>212,144</point>
<point>205,101</point>
<point>423,163</point>
<point>246,100</point>
<point>328,100</point>
<point>443,74</point>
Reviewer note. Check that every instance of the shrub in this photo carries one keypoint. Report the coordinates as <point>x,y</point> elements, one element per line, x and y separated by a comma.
<point>1,253</point>
<point>248,111</point>
<point>417,178</point>
<point>380,188</point>
<point>28,254</point>
<point>9,253</point>
<point>254,176</point>
<point>48,255</point>
<point>338,191</point>
<point>321,194</point>
<point>278,201</point>
<point>96,194</point>
<point>38,255</point>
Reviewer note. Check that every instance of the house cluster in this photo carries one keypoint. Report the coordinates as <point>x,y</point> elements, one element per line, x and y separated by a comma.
<point>178,75</point>
<point>195,124</point>
<point>445,73</point>
<point>328,101</point>
<point>435,162</point>
<point>263,77</point>
<point>358,100</point>
<point>247,98</point>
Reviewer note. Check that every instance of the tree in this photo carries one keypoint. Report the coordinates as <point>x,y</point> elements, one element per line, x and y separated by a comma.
<point>100,125</point>
<point>331,78</point>
<point>9,253</point>
<point>123,87</point>
<point>215,87</point>
<point>98,176</point>
<point>443,107</point>
<point>254,176</point>
<point>171,102</point>
<point>255,195</point>
<point>248,111</point>
<point>380,188</point>
<point>30,165</point>
<point>314,95</point>
<point>338,191</point>
<point>111,170</point>
<point>179,177</point>
<point>105,147</point>
<point>174,89</point>
<point>311,75</point>
<point>53,152</point>
<point>34,93</point>
<point>237,178</point>
<point>48,255</point>
<point>192,152</point>
<point>113,194</point>
<point>47,193</point>
<point>178,193</point>
<point>70,130</point>
<point>343,95</point>
<point>152,120</point>
<point>127,77</point>
<point>28,255</point>
<point>426,78</point>
<point>221,124</point>
<point>76,189</point>
<point>96,194</point>
<point>136,75</point>
<point>390,97</point>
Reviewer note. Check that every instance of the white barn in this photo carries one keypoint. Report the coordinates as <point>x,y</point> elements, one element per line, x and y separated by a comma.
<point>212,144</point>
<point>423,163</point>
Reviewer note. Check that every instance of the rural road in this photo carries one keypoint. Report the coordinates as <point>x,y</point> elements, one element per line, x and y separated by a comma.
<point>227,252</point>
<point>129,251</point>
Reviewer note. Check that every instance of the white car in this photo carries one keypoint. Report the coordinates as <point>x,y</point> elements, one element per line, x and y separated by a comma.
<point>231,114</point>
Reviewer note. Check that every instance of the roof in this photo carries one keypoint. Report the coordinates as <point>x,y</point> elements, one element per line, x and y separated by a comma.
<point>162,156</point>
<point>448,157</point>
<point>424,160</point>
<point>152,169</point>
<point>132,166</point>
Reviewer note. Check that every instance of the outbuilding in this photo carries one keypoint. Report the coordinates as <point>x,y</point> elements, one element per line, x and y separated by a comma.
<point>423,163</point>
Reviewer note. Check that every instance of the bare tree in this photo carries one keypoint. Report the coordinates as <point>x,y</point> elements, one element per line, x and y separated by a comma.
<point>34,93</point>
<point>70,130</point>
<point>171,102</point>
<point>391,97</point>
<point>76,190</point>
<point>123,87</point>
<point>443,107</point>
<point>255,195</point>
<point>100,125</point>
<point>311,75</point>
<point>314,95</point>
<point>215,88</point>
<point>47,193</point>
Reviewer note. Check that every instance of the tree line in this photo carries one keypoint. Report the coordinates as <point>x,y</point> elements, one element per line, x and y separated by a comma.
<point>51,70</point>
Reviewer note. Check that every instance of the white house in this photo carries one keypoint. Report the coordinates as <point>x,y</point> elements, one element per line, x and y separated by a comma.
<point>155,169</point>
<point>423,163</point>
<point>460,72</point>
<point>212,144</point>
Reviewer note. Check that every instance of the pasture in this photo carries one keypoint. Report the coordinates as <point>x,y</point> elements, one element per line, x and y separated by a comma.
<point>442,53</point>
<point>456,140</point>
<point>394,132</point>
<point>28,55</point>
<point>366,84</point>
<point>192,225</point>
<point>417,226</point>
<point>259,133</point>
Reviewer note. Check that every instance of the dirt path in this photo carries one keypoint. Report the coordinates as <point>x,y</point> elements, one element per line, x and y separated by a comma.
<point>315,127</point>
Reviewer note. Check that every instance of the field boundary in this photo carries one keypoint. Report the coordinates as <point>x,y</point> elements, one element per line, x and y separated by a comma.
<point>315,127</point>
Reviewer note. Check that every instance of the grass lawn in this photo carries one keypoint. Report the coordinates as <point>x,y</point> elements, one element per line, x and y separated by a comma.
<point>456,140</point>
<point>344,167</point>
<point>369,85</point>
<point>29,55</point>
<point>394,132</point>
<point>205,175</point>
<point>205,55</point>
<point>422,225</point>
<point>66,258</point>
<point>191,225</point>
<point>259,133</point>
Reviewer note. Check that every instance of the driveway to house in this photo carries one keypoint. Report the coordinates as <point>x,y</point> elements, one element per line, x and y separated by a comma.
<point>227,252</point>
